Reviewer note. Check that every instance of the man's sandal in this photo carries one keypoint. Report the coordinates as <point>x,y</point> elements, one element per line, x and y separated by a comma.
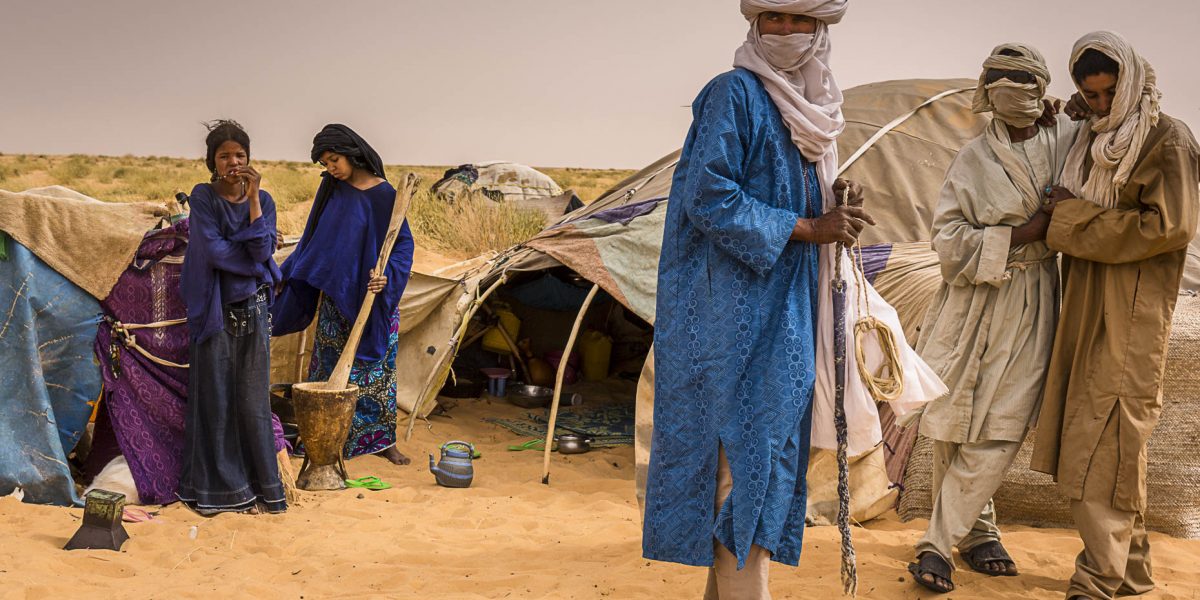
<point>990,553</point>
<point>929,563</point>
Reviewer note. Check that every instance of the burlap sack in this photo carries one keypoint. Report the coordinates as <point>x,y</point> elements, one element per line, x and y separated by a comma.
<point>1173,477</point>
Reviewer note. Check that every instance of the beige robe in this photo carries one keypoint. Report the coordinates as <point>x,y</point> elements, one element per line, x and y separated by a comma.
<point>988,332</point>
<point>1121,273</point>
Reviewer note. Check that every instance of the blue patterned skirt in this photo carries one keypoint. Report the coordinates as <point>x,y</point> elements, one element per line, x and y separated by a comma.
<point>374,426</point>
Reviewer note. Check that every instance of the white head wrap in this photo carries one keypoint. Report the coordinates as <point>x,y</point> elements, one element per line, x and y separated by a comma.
<point>1120,135</point>
<point>1029,61</point>
<point>996,134</point>
<point>805,92</point>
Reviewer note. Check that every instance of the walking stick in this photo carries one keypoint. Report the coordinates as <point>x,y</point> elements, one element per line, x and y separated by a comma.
<point>849,569</point>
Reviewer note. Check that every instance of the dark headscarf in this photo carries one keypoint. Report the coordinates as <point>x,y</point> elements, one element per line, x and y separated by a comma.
<point>338,138</point>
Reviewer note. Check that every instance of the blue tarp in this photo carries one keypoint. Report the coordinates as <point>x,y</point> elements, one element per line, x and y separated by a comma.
<point>47,376</point>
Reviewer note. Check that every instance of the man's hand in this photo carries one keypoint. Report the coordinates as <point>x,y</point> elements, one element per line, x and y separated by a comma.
<point>1056,194</point>
<point>1049,113</point>
<point>1077,108</point>
<point>842,224</point>
<point>1033,230</point>
<point>856,192</point>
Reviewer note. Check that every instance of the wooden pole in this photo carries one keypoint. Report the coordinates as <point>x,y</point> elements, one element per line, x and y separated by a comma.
<point>341,372</point>
<point>558,382</point>
<point>301,368</point>
<point>441,366</point>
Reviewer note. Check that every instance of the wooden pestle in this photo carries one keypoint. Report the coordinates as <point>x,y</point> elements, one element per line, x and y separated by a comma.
<point>341,373</point>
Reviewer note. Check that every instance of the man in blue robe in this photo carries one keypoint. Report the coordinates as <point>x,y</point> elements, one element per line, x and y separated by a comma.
<point>735,335</point>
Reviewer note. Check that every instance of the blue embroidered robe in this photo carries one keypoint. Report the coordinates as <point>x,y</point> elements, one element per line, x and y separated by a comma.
<point>734,334</point>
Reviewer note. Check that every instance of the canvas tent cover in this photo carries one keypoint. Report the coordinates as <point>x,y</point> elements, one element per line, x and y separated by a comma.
<point>51,290</point>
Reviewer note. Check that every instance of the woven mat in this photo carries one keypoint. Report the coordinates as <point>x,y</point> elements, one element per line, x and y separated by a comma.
<point>608,425</point>
<point>1173,474</point>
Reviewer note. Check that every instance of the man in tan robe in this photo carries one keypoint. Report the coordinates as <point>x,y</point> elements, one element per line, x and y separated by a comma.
<point>1122,220</point>
<point>988,332</point>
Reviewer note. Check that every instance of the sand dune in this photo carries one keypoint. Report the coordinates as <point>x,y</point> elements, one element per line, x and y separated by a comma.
<point>508,536</point>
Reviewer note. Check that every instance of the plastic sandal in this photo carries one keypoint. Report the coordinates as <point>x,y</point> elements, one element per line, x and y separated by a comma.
<point>136,515</point>
<point>368,483</point>
<point>534,444</point>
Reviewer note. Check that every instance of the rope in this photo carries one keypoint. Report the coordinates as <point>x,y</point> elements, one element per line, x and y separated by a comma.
<point>129,340</point>
<point>886,384</point>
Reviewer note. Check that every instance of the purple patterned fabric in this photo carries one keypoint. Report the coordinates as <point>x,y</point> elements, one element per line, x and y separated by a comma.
<point>145,401</point>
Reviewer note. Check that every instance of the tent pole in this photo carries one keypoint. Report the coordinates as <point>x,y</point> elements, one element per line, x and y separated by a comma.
<point>558,382</point>
<point>441,367</point>
<point>301,369</point>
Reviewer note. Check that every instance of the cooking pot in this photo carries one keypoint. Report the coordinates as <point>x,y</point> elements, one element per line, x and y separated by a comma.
<point>573,443</point>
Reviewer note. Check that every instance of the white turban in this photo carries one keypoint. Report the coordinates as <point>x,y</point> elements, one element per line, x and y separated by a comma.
<point>1030,61</point>
<point>829,11</point>
<point>1120,135</point>
<point>806,94</point>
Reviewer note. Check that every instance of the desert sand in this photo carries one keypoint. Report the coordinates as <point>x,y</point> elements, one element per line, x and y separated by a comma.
<point>508,536</point>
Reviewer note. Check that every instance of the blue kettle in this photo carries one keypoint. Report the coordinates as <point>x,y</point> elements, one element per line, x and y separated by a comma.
<point>455,469</point>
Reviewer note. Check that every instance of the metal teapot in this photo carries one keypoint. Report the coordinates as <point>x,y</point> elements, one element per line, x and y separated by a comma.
<point>455,469</point>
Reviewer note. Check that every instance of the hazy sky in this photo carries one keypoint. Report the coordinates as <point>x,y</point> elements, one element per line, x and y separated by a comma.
<point>604,83</point>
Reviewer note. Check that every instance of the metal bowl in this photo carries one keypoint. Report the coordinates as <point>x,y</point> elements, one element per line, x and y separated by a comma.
<point>530,396</point>
<point>571,443</point>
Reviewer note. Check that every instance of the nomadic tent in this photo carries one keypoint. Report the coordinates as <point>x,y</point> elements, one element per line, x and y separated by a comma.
<point>53,291</point>
<point>500,180</point>
<point>96,317</point>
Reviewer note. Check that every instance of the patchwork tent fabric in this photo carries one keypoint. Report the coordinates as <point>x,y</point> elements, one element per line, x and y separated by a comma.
<point>46,376</point>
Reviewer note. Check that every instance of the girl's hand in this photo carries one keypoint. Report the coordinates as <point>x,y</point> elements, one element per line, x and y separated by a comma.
<point>251,178</point>
<point>376,284</point>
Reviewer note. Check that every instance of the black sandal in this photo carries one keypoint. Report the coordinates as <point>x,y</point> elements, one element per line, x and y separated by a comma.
<point>988,553</point>
<point>929,563</point>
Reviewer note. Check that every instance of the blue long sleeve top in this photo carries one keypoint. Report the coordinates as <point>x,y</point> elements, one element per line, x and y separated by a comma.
<point>335,256</point>
<point>228,257</point>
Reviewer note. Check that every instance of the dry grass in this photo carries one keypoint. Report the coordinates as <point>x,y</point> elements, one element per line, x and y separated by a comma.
<point>464,229</point>
<point>472,224</point>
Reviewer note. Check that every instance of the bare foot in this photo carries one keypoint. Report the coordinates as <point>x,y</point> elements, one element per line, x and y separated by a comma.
<point>395,456</point>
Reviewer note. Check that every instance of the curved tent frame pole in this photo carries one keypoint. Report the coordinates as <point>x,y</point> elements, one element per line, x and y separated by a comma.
<point>441,368</point>
<point>558,382</point>
<point>894,124</point>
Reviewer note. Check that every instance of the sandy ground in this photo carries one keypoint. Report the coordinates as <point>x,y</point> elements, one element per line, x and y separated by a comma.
<point>508,536</point>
